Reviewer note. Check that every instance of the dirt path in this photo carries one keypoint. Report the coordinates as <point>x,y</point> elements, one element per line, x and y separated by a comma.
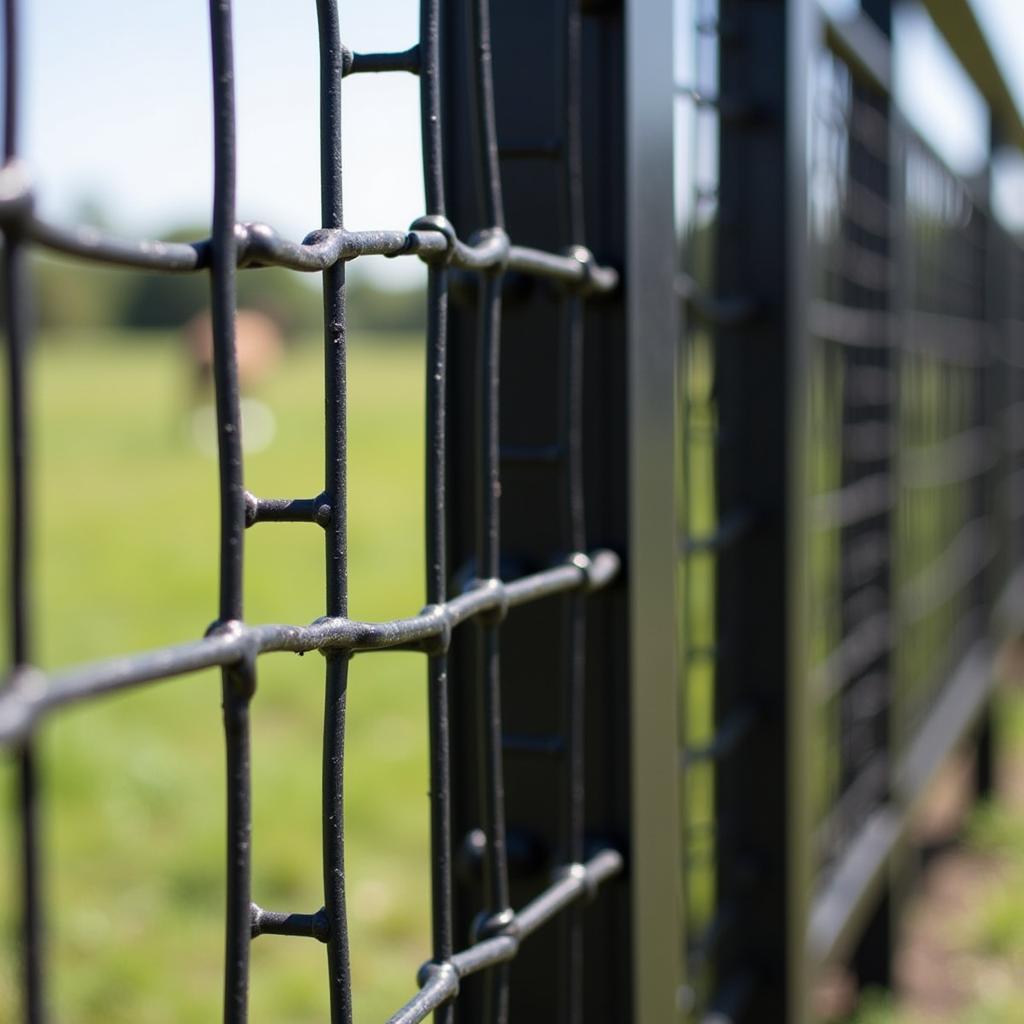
<point>940,975</point>
<point>939,972</point>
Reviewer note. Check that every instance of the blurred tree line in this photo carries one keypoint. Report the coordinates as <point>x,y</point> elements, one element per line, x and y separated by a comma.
<point>71,293</point>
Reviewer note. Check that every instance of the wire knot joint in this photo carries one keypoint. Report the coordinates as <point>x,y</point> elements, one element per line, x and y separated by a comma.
<point>487,925</point>
<point>445,971</point>
<point>435,223</point>
<point>496,612</point>
<point>440,642</point>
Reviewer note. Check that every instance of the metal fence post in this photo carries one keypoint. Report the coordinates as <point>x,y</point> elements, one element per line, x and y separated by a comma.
<point>761,793</point>
<point>872,959</point>
<point>571,172</point>
<point>996,404</point>
<point>652,333</point>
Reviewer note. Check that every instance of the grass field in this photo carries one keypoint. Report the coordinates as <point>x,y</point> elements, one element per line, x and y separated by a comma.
<point>125,558</point>
<point>125,550</point>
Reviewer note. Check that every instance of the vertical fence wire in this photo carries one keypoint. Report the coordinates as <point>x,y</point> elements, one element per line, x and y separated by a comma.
<point>336,690</point>
<point>435,512</point>
<point>19,596</point>
<point>488,425</point>
<point>239,680</point>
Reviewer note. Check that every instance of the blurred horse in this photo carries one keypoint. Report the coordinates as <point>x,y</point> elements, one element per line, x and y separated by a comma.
<point>259,347</point>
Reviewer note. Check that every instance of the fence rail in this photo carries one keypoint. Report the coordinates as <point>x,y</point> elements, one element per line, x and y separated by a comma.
<point>735,513</point>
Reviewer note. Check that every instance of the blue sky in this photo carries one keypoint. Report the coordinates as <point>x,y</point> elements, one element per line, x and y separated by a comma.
<point>117,109</point>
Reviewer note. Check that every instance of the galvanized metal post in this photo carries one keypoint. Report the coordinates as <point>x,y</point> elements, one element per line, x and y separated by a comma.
<point>761,791</point>
<point>652,338</point>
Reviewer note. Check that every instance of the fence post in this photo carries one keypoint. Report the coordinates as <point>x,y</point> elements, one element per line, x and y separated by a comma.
<point>761,790</point>
<point>654,615</point>
<point>996,404</point>
<point>873,956</point>
<point>597,173</point>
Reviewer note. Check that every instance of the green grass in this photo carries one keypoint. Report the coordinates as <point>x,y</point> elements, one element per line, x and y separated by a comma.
<point>125,554</point>
<point>125,558</point>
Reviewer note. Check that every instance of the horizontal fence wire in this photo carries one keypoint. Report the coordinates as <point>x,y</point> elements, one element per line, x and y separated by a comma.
<point>32,695</point>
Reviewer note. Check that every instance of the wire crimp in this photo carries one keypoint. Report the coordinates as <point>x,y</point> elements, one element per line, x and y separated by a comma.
<point>434,223</point>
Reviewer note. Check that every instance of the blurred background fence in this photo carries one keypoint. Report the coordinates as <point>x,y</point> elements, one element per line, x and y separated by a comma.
<point>851,526</point>
<point>720,519</point>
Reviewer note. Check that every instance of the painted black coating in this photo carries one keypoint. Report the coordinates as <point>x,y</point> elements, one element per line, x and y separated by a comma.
<point>19,597</point>
<point>30,695</point>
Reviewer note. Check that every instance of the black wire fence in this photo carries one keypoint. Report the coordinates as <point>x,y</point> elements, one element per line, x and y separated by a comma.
<point>851,535</point>
<point>733,509</point>
<point>486,258</point>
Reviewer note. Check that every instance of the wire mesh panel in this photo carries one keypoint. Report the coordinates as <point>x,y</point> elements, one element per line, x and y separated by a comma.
<point>842,410</point>
<point>468,576</point>
<point>948,530</point>
<point>882,503</point>
<point>852,380</point>
<point>904,491</point>
<point>854,444</point>
<point>1009,369</point>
